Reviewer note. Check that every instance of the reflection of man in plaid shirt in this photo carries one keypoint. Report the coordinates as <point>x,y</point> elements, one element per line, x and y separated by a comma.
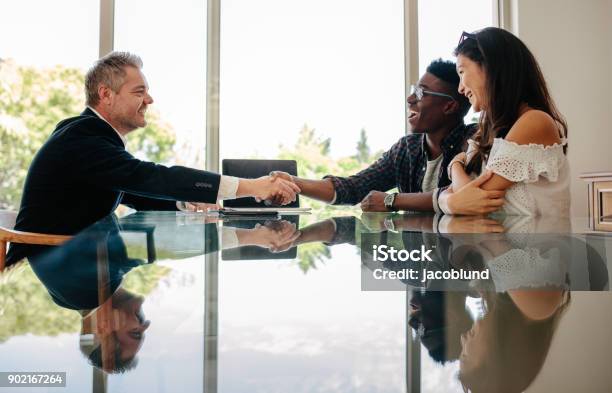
<point>416,164</point>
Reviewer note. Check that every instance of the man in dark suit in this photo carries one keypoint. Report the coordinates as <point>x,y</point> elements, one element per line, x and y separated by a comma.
<point>83,170</point>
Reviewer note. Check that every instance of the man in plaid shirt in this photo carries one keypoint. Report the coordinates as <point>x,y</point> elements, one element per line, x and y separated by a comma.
<point>417,163</point>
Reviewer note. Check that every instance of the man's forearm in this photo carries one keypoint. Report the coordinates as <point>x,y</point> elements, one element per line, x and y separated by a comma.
<point>322,190</point>
<point>420,201</point>
<point>323,231</point>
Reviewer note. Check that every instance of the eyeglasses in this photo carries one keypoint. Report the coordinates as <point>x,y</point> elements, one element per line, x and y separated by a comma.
<point>419,93</point>
<point>465,36</point>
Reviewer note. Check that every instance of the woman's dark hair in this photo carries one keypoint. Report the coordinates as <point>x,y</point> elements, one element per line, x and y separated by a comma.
<point>516,347</point>
<point>446,71</point>
<point>513,77</point>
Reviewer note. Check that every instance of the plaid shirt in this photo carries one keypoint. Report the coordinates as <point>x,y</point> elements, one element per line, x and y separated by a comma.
<point>403,166</point>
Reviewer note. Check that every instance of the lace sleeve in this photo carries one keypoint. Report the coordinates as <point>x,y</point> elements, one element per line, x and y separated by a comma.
<point>525,163</point>
<point>528,268</point>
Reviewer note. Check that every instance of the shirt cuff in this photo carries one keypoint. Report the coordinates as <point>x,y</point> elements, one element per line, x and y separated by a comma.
<point>228,186</point>
<point>337,187</point>
<point>443,224</point>
<point>443,205</point>
<point>334,222</point>
<point>229,239</point>
<point>436,223</point>
<point>434,201</point>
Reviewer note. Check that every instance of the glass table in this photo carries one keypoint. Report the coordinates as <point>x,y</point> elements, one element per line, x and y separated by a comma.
<point>168,302</point>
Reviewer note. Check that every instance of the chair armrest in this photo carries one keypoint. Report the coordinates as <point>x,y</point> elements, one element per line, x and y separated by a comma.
<point>13,236</point>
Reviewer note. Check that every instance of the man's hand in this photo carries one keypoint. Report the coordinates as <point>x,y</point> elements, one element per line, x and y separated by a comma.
<point>197,206</point>
<point>473,200</point>
<point>374,202</point>
<point>276,188</point>
<point>282,175</point>
<point>277,201</point>
<point>375,222</point>
<point>268,188</point>
<point>277,236</point>
<point>322,190</point>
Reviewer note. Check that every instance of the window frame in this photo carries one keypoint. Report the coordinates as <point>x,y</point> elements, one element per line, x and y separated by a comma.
<point>501,18</point>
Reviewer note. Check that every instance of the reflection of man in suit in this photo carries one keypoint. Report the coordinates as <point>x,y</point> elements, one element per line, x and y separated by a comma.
<point>86,275</point>
<point>112,334</point>
<point>83,171</point>
<point>78,277</point>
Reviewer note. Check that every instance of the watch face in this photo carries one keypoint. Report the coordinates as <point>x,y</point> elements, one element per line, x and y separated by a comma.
<point>388,200</point>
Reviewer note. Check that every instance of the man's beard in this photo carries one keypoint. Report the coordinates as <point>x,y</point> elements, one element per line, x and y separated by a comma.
<point>131,124</point>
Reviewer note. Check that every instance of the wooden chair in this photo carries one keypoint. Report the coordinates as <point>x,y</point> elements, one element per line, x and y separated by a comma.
<point>9,235</point>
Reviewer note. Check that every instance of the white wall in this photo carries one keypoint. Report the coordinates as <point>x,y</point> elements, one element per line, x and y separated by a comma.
<point>579,356</point>
<point>572,41</point>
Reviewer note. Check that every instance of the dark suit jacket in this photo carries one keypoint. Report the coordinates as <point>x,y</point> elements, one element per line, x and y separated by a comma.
<point>71,273</point>
<point>83,172</point>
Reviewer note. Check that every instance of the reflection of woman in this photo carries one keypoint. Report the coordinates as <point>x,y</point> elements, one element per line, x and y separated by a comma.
<point>505,351</point>
<point>521,136</point>
<point>532,254</point>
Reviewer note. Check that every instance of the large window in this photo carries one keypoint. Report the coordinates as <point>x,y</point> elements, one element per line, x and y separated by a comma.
<point>45,50</point>
<point>46,53</point>
<point>171,40</point>
<point>441,23</point>
<point>48,33</point>
<point>318,81</point>
<point>288,68</point>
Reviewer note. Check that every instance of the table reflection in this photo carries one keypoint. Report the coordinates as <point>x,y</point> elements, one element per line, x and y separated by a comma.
<point>263,299</point>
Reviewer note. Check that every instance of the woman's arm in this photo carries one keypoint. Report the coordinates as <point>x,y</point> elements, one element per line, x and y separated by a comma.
<point>471,199</point>
<point>459,176</point>
<point>537,305</point>
<point>533,126</point>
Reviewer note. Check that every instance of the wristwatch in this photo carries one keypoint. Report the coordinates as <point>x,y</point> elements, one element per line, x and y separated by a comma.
<point>389,201</point>
<point>389,225</point>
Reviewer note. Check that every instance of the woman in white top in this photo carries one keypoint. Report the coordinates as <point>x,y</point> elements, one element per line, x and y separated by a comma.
<point>520,146</point>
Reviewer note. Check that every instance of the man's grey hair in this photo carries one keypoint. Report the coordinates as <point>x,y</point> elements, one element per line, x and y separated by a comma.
<point>108,71</point>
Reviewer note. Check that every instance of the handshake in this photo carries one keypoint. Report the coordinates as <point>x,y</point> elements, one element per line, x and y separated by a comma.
<point>276,189</point>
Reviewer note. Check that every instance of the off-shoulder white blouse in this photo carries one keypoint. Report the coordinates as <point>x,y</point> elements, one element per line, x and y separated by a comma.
<point>541,175</point>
